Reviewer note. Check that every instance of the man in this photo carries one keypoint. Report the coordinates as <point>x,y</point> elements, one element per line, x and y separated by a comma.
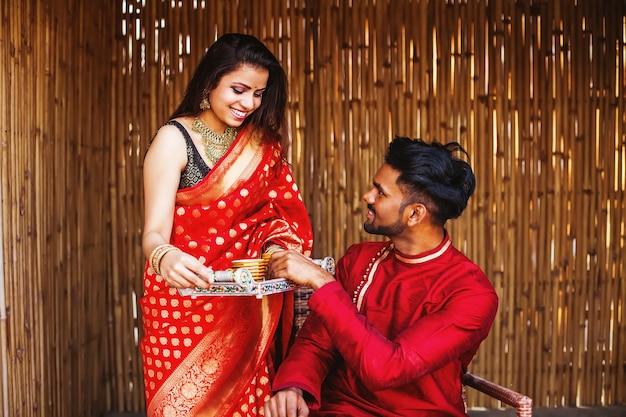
<point>393,332</point>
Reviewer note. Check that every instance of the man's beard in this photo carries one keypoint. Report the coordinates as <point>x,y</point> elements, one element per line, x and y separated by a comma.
<point>389,230</point>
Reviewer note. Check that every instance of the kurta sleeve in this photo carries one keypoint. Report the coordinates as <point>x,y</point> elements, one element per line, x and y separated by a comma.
<point>309,360</point>
<point>423,347</point>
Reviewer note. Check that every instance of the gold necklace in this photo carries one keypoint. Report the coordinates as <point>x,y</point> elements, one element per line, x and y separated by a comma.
<point>215,144</point>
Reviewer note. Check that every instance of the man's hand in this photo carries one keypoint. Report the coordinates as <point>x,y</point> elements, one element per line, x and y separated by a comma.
<point>287,403</point>
<point>298,268</point>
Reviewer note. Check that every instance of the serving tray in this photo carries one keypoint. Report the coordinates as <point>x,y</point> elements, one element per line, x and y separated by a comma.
<point>239,282</point>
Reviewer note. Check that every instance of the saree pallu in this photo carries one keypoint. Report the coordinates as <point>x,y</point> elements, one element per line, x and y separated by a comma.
<point>209,356</point>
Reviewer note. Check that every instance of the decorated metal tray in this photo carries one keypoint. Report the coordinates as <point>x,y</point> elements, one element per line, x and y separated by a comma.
<point>240,282</point>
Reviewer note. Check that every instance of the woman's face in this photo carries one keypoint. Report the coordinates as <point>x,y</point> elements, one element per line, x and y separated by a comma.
<point>236,96</point>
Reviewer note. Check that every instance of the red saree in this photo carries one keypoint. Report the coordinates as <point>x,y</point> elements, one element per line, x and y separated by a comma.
<point>209,356</point>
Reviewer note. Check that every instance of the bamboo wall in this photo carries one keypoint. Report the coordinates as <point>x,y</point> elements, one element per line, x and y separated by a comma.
<point>55,68</point>
<point>534,90</point>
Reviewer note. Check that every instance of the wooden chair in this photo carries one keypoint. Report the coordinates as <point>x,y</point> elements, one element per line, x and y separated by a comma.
<point>522,403</point>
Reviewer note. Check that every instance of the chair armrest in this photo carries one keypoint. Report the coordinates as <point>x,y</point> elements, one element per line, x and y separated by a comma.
<point>522,403</point>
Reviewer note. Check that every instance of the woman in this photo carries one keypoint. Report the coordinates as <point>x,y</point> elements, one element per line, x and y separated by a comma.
<point>217,189</point>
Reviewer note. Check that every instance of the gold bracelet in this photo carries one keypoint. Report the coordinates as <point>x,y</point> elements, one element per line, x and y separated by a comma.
<point>157,254</point>
<point>161,254</point>
<point>153,257</point>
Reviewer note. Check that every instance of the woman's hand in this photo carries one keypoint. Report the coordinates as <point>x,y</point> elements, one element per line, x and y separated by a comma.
<point>181,270</point>
<point>286,403</point>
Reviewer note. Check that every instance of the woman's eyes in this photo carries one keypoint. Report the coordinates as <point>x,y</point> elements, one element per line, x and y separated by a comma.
<point>238,91</point>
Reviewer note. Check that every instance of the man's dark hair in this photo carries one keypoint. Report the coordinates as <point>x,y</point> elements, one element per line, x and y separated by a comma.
<point>431,174</point>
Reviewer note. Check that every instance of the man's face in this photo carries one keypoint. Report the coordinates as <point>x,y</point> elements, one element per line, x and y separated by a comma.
<point>385,204</point>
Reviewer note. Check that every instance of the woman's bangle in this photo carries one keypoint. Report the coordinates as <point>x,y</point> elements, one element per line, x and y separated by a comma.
<point>157,254</point>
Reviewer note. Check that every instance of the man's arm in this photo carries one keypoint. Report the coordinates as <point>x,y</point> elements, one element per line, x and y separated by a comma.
<point>423,347</point>
<point>313,353</point>
<point>308,362</point>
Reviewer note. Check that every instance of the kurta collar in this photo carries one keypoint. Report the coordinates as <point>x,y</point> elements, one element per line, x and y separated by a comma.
<point>425,256</point>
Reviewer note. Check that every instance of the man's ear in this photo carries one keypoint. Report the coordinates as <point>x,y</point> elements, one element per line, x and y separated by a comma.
<point>417,214</point>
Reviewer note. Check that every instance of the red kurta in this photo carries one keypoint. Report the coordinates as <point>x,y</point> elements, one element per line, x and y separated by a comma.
<point>393,335</point>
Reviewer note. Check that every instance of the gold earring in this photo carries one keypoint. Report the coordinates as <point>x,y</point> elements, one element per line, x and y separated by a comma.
<point>204,104</point>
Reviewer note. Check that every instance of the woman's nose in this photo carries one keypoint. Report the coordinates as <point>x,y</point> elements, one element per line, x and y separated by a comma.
<point>248,101</point>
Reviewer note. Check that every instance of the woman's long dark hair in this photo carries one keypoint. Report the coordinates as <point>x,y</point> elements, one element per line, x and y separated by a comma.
<point>227,54</point>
